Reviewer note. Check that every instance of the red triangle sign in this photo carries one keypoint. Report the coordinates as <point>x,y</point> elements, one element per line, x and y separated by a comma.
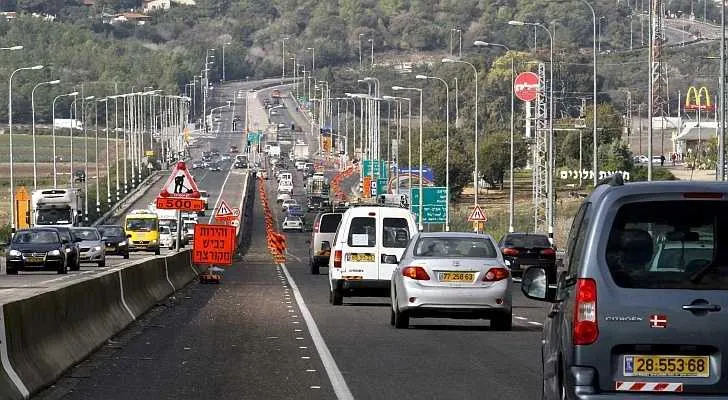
<point>180,184</point>
<point>477,215</point>
<point>223,210</point>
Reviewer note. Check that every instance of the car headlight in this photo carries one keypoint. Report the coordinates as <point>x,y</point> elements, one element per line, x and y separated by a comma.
<point>97,248</point>
<point>153,241</point>
<point>14,253</point>
<point>54,253</point>
<point>68,250</point>
<point>123,243</point>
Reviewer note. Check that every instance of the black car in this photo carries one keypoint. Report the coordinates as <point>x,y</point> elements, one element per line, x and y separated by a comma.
<point>74,252</point>
<point>240,164</point>
<point>522,250</point>
<point>79,176</point>
<point>116,240</point>
<point>318,204</point>
<point>38,249</point>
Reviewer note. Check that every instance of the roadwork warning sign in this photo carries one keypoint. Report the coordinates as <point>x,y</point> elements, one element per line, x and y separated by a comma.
<point>213,244</point>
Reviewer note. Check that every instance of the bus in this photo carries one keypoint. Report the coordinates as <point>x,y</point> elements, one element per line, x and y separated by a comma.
<point>143,226</point>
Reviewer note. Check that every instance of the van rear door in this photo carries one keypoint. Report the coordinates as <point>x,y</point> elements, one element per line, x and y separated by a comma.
<point>361,257</point>
<point>395,235</point>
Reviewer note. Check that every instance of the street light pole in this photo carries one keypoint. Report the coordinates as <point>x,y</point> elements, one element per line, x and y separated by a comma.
<point>32,108</point>
<point>360,58</point>
<point>447,147</point>
<point>53,134</point>
<point>284,58</point>
<point>421,226</point>
<point>223,60</point>
<point>10,140</point>
<point>372,42</point>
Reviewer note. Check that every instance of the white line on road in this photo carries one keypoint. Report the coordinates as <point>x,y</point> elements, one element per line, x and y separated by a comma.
<point>219,196</point>
<point>341,389</point>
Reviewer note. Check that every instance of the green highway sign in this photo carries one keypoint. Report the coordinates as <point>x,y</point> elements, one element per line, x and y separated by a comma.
<point>434,202</point>
<point>254,136</point>
<point>380,166</point>
<point>382,185</point>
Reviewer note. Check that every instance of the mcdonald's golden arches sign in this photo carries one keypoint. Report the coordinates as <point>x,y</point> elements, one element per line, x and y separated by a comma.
<point>698,99</point>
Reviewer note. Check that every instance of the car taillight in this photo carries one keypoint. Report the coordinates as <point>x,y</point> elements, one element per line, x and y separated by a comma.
<point>337,259</point>
<point>316,226</point>
<point>496,274</point>
<point>508,251</point>
<point>586,329</point>
<point>416,273</point>
<point>548,252</point>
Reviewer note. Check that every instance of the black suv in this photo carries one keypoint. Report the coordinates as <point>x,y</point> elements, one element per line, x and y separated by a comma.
<point>38,249</point>
<point>521,250</point>
<point>74,253</point>
<point>117,241</point>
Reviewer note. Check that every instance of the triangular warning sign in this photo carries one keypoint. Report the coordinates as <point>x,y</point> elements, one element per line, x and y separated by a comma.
<point>477,215</point>
<point>223,210</point>
<point>180,184</point>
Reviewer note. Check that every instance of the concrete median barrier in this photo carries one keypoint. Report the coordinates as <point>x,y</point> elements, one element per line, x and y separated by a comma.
<point>50,332</point>
<point>145,285</point>
<point>180,269</point>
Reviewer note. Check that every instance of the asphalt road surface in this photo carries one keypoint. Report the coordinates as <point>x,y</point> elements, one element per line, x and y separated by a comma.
<point>25,284</point>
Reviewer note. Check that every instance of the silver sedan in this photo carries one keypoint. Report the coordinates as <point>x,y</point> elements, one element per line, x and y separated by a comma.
<point>452,275</point>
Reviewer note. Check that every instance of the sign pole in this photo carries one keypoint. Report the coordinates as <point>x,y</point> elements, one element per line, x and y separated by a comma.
<point>178,244</point>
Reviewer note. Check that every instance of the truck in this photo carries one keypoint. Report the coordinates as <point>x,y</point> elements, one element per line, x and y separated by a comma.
<point>317,186</point>
<point>300,151</point>
<point>58,207</point>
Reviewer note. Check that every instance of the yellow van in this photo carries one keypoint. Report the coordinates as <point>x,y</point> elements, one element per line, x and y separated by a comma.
<point>142,227</point>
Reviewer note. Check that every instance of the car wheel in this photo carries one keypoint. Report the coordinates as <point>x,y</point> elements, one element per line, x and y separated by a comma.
<point>126,255</point>
<point>102,264</point>
<point>401,318</point>
<point>314,268</point>
<point>76,265</point>
<point>337,298</point>
<point>11,271</point>
<point>63,269</point>
<point>502,322</point>
<point>391,316</point>
<point>157,251</point>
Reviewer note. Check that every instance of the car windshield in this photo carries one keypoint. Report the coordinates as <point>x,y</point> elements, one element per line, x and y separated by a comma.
<point>55,216</point>
<point>454,247</point>
<point>164,230</point>
<point>141,224</point>
<point>669,245</point>
<point>112,231</point>
<point>526,241</point>
<point>87,234</point>
<point>36,237</point>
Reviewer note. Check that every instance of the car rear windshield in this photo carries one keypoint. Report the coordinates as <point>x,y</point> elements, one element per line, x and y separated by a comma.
<point>454,247</point>
<point>112,231</point>
<point>36,237</point>
<point>395,233</point>
<point>670,245</point>
<point>329,223</point>
<point>527,241</point>
<point>362,232</point>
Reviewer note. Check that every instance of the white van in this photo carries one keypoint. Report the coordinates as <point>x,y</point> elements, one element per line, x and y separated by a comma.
<point>365,235</point>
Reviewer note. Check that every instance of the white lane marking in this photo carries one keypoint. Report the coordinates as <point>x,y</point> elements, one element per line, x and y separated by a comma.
<point>7,366</point>
<point>341,389</point>
<point>294,256</point>
<point>219,196</point>
<point>123,301</point>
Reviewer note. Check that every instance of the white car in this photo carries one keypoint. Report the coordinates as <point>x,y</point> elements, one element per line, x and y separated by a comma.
<point>285,187</point>
<point>287,203</point>
<point>282,197</point>
<point>292,224</point>
<point>166,238</point>
<point>641,159</point>
<point>300,165</point>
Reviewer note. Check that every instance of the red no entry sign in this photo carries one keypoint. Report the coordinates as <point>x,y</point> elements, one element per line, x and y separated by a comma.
<point>526,86</point>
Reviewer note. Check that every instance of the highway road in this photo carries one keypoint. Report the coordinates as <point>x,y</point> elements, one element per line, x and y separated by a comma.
<point>268,332</point>
<point>228,181</point>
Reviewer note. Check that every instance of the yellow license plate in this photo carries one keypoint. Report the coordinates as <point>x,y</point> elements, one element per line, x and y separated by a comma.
<point>362,257</point>
<point>456,276</point>
<point>667,366</point>
<point>34,259</point>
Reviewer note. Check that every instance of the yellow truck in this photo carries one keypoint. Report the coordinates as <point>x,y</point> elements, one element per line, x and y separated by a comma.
<point>143,226</point>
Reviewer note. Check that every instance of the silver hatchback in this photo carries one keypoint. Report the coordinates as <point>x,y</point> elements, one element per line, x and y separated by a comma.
<point>452,275</point>
<point>641,309</point>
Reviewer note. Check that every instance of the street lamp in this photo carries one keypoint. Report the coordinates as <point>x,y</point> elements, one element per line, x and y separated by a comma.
<point>10,139</point>
<point>313,60</point>
<point>360,59</point>
<point>32,108</point>
<point>371,40</point>
<point>421,226</point>
<point>511,197</point>
<point>447,146</point>
<point>475,71</point>
<point>409,138</point>
<point>284,58</point>
<point>551,162</point>
<point>53,134</point>
<point>223,59</point>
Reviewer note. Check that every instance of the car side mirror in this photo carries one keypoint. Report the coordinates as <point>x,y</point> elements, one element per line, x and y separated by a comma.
<point>128,236</point>
<point>535,285</point>
<point>105,239</point>
<point>65,241</point>
<point>389,259</point>
<point>77,240</point>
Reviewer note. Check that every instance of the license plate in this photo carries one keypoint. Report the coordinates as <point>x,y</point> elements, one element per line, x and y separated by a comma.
<point>667,366</point>
<point>456,276</point>
<point>34,259</point>
<point>362,257</point>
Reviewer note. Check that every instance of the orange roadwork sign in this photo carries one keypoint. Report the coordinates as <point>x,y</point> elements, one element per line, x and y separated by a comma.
<point>213,244</point>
